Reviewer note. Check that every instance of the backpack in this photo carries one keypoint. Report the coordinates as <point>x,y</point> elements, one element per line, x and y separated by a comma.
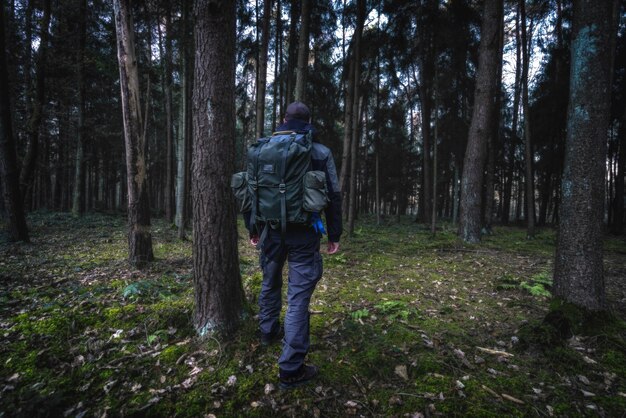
<point>279,186</point>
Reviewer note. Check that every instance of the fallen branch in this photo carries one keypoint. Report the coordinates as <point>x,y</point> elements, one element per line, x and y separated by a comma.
<point>512,399</point>
<point>492,392</point>
<point>495,352</point>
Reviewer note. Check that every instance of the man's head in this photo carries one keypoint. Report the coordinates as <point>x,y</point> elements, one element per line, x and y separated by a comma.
<point>298,110</point>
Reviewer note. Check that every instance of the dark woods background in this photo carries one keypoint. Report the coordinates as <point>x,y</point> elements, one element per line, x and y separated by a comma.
<point>409,110</point>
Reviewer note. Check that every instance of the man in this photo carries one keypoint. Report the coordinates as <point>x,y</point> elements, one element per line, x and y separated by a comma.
<point>300,246</point>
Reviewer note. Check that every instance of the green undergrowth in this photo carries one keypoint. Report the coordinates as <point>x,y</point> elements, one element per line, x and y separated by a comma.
<point>402,323</point>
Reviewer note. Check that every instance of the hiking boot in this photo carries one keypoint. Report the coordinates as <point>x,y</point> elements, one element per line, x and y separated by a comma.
<point>269,339</point>
<point>304,375</point>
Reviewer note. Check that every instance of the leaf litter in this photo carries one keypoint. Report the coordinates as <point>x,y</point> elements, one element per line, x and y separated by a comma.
<point>87,335</point>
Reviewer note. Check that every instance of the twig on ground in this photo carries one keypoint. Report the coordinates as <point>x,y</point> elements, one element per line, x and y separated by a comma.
<point>495,352</point>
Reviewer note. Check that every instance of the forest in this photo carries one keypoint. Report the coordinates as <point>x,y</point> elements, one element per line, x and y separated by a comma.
<point>480,150</point>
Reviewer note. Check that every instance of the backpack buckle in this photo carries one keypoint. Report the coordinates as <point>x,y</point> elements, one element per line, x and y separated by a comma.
<point>281,188</point>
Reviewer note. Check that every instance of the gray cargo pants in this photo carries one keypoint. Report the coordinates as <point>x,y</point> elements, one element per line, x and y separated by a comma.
<point>301,250</point>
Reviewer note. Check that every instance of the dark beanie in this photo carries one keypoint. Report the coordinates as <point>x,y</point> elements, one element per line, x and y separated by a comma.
<point>298,110</point>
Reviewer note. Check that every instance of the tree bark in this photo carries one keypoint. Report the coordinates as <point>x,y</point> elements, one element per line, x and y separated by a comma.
<point>9,177</point>
<point>139,235</point>
<point>482,122</point>
<point>618,208</point>
<point>347,135</point>
<point>508,186</point>
<point>426,74</point>
<point>184,129</point>
<point>356,114</point>
<point>578,267</point>
<point>492,142</point>
<point>528,147</point>
<point>217,280</point>
<point>34,123</point>
<point>169,119</point>
<point>292,58</point>
<point>78,205</point>
<point>262,77</point>
<point>303,52</point>
<point>278,59</point>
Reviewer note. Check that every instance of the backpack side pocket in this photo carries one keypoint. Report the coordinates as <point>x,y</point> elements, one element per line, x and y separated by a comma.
<point>315,195</point>
<point>239,184</point>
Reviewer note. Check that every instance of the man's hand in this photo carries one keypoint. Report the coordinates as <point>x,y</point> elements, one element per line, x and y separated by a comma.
<point>333,247</point>
<point>254,240</point>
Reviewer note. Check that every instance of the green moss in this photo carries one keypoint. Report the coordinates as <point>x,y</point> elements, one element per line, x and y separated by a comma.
<point>172,353</point>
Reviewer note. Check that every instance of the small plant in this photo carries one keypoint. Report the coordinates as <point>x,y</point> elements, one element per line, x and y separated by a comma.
<point>337,259</point>
<point>394,309</point>
<point>360,314</point>
<point>538,285</point>
<point>147,289</point>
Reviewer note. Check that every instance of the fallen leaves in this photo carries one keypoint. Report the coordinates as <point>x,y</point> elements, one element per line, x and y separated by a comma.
<point>401,371</point>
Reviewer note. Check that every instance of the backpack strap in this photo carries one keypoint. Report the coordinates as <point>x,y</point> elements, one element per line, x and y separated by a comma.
<point>282,188</point>
<point>255,196</point>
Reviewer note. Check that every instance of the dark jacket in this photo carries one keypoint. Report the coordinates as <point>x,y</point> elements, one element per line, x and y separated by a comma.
<point>321,160</point>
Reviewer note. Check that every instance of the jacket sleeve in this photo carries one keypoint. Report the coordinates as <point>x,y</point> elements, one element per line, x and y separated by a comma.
<point>251,228</point>
<point>333,211</point>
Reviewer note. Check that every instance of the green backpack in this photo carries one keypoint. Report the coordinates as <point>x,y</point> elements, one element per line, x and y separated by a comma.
<point>279,186</point>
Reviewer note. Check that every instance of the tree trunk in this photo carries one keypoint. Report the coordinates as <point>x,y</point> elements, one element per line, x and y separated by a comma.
<point>508,186</point>
<point>262,77</point>
<point>139,235</point>
<point>356,114</point>
<point>578,267</point>
<point>303,52</point>
<point>528,147</point>
<point>482,123</point>
<point>184,129</point>
<point>354,157</point>
<point>278,76</point>
<point>34,123</point>
<point>426,74</point>
<point>9,177</point>
<point>292,58</point>
<point>456,191</point>
<point>433,214</point>
<point>347,135</point>
<point>217,280</point>
<point>78,205</point>
<point>492,142</point>
<point>618,207</point>
<point>169,120</point>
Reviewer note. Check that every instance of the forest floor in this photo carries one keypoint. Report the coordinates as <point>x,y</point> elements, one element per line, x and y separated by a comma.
<point>402,324</point>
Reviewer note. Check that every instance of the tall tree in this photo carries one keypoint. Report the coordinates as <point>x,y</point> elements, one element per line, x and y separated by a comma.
<point>528,146</point>
<point>427,71</point>
<point>292,51</point>
<point>262,80</point>
<point>79,163</point>
<point>169,116</point>
<point>482,122</point>
<point>510,164</point>
<point>347,132</point>
<point>16,221</point>
<point>217,280</point>
<point>139,235</point>
<point>34,123</point>
<point>303,51</point>
<point>578,267</point>
<point>618,222</point>
<point>184,125</point>
<point>492,140</point>
<point>357,98</point>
